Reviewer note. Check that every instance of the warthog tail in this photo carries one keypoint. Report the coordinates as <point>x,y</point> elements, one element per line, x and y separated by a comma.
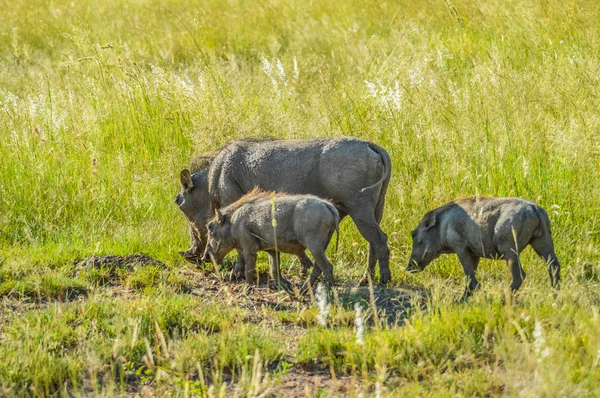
<point>387,166</point>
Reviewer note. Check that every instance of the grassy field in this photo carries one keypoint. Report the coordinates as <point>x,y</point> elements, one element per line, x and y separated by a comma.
<point>102,103</point>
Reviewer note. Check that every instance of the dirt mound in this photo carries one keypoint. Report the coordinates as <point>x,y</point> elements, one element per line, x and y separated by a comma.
<point>128,261</point>
<point>116,271</point>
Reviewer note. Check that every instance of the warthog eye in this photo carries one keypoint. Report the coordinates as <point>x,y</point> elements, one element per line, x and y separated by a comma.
<point>414,233</point>
<point>179,199</point>
<point>211,227</point>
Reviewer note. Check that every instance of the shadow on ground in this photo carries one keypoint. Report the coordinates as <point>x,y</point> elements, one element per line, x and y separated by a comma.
<point>392,303</point>
<point>210,283</point>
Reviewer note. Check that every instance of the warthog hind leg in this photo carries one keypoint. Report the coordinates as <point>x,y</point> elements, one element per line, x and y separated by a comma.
<point>314,275</point>
<point>370,230</point>
<point>323,263</point>
<point>305,263</point>
<point>544,248</point>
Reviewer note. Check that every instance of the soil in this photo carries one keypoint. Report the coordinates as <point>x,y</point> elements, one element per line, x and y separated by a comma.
<point>210,285</point>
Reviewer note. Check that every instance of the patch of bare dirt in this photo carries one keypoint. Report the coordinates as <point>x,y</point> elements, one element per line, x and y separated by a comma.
<point>209,285</point>
<point>392,303</point>
<point>264,301</point>
<point>300,383</point>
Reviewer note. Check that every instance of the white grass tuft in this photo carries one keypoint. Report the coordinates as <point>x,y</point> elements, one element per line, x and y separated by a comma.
<point>281,72</point>
<point>359,323</point>
<point>539,342</point>
<point>324,306</point>
<point>268,70</point>
<point>296,70</point>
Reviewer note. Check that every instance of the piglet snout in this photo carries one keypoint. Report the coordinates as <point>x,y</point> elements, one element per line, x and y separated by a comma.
<point>413,267</point>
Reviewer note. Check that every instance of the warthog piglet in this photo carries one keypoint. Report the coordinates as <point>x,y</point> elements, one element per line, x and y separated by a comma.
<point>480,227</point>
<point>274,223</point>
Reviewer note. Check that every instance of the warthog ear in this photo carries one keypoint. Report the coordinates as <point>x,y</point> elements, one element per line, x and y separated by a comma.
<point>186,179</point>
<point>429,220</point>
<point>220,217</point>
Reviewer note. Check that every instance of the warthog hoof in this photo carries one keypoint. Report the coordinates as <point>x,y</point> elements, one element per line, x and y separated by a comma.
<point>239,269</point>
<point>236,276</point>
<point>469,292</point>
<point>384,276</point>
<point>465,296</point>
<point>284,285</point>
<point>413,268</point>
<point>327,288</point>
<point>304,288</point>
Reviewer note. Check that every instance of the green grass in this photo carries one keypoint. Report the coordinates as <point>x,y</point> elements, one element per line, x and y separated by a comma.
<point>103,103</point>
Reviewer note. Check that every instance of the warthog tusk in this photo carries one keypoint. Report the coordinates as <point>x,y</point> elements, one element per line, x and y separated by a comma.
<point>258,237</point>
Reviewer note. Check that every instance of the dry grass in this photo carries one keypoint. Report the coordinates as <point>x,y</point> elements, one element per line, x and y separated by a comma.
<point>103,103</point>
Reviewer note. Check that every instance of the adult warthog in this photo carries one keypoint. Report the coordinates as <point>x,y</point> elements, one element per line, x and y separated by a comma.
<point>353,174</point>
<point>479,227</point>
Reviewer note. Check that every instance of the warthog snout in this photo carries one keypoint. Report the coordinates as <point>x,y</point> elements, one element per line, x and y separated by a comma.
<point>413,266</point>
<point>207,256</point>
<point>192,257</point>
<point>212,255</point>
<point>192,254</point>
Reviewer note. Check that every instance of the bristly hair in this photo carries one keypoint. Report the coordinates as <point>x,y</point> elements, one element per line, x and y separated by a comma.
<point>204,160</point>
<point>254,195</point>
<point>456,202</point>
<point>469,199</point>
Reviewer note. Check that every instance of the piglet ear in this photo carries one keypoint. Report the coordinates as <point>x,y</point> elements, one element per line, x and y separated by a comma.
<point>429,220</point>
<point>220,217</point>
<point>185,177</point>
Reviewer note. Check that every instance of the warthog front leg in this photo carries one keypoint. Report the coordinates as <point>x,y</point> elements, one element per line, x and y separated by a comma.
<point>518,274</point>
<point>544,248</point>
<point>250,260</point>
<point>275,262</point>
<point>239,267</point>
<point>469,262</point>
